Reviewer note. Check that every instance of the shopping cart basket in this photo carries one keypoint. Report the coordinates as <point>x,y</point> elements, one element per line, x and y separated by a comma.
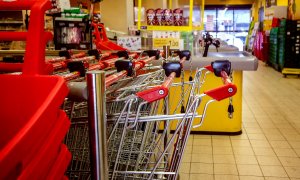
<point>101,40</point>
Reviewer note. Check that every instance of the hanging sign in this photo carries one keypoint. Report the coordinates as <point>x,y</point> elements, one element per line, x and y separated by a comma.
<point>166,38</point>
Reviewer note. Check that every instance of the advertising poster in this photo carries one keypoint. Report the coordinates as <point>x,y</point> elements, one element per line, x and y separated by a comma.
<point>132,43</point>
<point>209,23</point>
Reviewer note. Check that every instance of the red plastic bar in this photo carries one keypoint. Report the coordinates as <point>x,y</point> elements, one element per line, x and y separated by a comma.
<point>141,63</point>
<point>71,76</point>
<point>56,59</point>
<point>86,59</point>
<point>98,66</point>
<point>104,64</point>
<point>104,55</point>
<point>223,92</point>
<point>79,55</point>
<point>226,79</point>
<point>59,65</point>
<point>35,45</point>
<point>169,80</point>
<point>21,36</point>
<point>111,62</point>
<point>158,92</point>
<point>114,78</point>
<point>11,67</point>
<point>13,36</point>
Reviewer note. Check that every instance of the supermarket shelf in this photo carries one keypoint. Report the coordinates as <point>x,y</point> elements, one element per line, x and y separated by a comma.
<point>11,22</point>
<point>168,28</point>
<point>68,19</point>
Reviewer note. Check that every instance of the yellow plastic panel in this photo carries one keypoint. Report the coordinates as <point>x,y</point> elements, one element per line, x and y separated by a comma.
<point>217,116</point>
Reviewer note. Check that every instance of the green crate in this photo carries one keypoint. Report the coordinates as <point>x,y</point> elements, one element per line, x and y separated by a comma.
<point>72,10</point>
<point>274,31</point>
<point>282,23</point>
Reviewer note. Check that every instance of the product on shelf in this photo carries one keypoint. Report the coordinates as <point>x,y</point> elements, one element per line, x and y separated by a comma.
<point>168,17</point>
<point>150,16</point>
<point>178,17</point>
<point>158,16</point>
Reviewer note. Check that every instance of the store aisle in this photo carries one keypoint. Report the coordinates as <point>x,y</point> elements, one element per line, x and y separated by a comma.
<point>269,147</point>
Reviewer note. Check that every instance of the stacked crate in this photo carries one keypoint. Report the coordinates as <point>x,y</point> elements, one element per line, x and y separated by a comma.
<point>273,48</point>
<point>292,59</point>
<point>281,44</point>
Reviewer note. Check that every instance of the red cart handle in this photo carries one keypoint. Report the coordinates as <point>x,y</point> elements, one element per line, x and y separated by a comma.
<point>141,63</point>
<point>158,92</point>
<point>71,76</point>
<point>137,66</point>
<point>114,78</point>
<point>223,92</point>
<point>111,62</point>
<point>56,59</point>
<point>78,55</point>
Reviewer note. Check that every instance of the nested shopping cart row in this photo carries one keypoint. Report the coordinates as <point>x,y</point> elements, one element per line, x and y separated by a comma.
<point>139,143</point>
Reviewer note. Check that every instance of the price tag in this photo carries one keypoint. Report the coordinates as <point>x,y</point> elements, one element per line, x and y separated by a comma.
<point>158,43</point>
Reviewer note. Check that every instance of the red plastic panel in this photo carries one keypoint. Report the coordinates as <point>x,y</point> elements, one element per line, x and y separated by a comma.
<point>114,78</point>
<point>39,166</point>
<point>153,94</point>
<point>60,166</point>
<point>29,109</point>
<point>158,92</point>
<point>222,92</point>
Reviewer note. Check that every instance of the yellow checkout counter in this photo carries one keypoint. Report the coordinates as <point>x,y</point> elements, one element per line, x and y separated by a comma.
<point>217,120</point>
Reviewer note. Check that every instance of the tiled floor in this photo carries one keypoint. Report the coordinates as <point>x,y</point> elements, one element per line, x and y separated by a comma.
<point>269,147</point>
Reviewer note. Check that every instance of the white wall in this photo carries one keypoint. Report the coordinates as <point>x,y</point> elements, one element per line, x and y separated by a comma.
<point>117,14</point>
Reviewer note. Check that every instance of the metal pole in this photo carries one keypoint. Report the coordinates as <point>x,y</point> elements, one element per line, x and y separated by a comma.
<point>97,124</point>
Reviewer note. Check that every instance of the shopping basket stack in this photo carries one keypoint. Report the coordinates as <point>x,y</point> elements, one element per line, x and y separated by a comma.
<point>33,126</point>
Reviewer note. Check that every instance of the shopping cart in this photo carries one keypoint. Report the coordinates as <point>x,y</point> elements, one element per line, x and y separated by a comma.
<point>101,41</point>
<point>116,93</point>
<point>149,151</point>
<point>139,144</point>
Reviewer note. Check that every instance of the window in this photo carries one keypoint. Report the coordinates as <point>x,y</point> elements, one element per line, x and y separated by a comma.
<point>229,24</point>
